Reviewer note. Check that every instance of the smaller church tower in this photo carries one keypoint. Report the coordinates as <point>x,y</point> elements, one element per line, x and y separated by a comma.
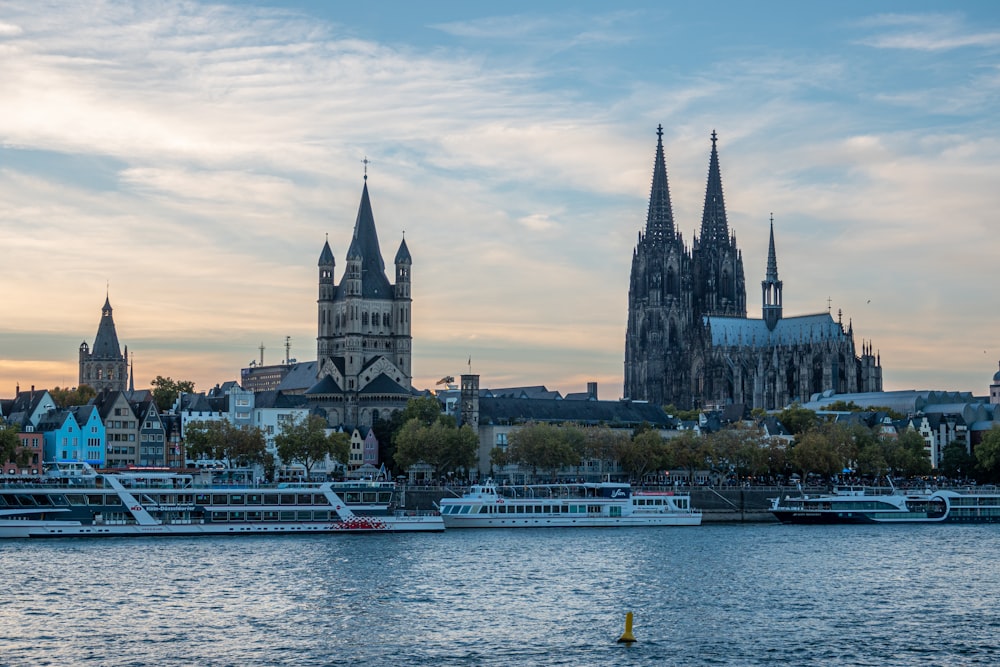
<point>401,309</point>
<point>771,287</point>
<point>104,366</point>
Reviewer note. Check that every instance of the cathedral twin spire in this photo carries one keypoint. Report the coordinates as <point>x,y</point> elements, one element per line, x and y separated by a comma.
<point>660,219</point>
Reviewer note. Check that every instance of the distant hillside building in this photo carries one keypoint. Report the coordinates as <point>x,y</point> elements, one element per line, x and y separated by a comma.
<point>363,344</point>
<point>104,366</point>
<point>689,341</point>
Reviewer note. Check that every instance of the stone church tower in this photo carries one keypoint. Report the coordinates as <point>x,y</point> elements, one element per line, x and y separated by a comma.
<point>363,344</point>
<point>104,367</point>
<point>688,340</point>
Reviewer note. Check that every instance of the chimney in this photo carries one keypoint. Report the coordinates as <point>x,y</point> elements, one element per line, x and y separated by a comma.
<point>592,390</point>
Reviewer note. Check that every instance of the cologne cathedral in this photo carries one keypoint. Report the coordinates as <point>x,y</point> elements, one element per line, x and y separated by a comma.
<point>689,342</point>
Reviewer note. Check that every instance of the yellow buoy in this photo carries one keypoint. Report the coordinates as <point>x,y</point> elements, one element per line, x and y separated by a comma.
<point>627,636</point>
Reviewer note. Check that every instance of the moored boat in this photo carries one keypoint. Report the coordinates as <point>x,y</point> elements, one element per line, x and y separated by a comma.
<point>856,504</point>
<point>603,504</point>
<point>80,502</point>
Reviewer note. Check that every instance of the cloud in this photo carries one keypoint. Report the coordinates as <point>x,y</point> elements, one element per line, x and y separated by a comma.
<point>925,32</point>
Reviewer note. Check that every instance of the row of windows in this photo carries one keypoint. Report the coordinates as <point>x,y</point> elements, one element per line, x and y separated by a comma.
<point>287,515</point>
<point>521,509</point>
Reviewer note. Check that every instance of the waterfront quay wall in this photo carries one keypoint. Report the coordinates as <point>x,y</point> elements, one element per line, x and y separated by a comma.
<point>718,504</point>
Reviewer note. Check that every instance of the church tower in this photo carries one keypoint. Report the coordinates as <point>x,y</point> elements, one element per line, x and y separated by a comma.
<point>660,330</point>
<point>363,342</point>
<point>719,285</point>
<point>104,367</point>
<point>771,287</point>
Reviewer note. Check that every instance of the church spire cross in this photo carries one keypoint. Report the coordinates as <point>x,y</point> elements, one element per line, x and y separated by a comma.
<point>366,162</point>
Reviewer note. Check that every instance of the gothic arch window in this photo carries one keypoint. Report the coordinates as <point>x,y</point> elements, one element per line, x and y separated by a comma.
<point>671,282</point>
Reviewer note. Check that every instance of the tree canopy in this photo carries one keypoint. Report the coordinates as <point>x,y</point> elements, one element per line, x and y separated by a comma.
<point>222,441</point>
<point>65,397</point>
<point>305,441</point>
<point>166,391</point>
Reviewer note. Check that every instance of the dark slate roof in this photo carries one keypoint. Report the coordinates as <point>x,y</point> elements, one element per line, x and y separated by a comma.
<point>325,386</point>
<point>301,376</point>
<point>534,392</point>
<point>734,412</point>
<point>275,398</point>
<point>105,400</point>
<point>403,254</point>
<point>23,405</point>
<point>744,332</point>
<point>624,413</point>
<point>106,342</point>
<point>53,420</point>
<point>82,413</point>
<point>326,256</point>
<point>774,427</point>
<point>364,246</point>
<point>195,403</point>
<point>383,384</point>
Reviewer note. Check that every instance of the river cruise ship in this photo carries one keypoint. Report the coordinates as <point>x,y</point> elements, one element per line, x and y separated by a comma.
<point>72,500</point>
<point>856,504</point>
<point>602,504</point>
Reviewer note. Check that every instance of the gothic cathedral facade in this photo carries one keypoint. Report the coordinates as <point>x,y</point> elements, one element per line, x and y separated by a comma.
<point>689,342</point>
<point>363,344</point>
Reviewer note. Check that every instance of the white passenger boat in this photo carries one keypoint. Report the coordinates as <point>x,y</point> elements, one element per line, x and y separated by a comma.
<point>603,504</point>
<point>858,504</point>
<point>80,502</point>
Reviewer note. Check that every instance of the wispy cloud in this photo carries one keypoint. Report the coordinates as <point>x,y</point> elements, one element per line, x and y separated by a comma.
<point>925,32</point>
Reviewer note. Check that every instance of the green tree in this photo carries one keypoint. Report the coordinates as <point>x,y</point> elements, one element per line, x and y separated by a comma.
<point>797,419</point>
<point>10,446</point>
<point>912,459</point>
<point>541,446</point>
<point>643,454</point>
<point>956,461</point>
<point>222,441</point>
<point>305,441</point>
<point>689,451</point>
<point>988,454</point>
<point>425,409</point>
<point>66,397</point>
<point>440,445</point>
<point>166,391</point>
<point>816,453</point>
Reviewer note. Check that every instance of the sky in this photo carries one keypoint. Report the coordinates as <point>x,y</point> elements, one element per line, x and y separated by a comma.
<point>188,160</point>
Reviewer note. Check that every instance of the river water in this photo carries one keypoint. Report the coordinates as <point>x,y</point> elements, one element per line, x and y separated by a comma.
<point>758,594</point>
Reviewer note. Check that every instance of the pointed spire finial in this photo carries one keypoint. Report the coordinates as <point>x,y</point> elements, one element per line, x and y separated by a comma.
<point>366,161</point>
<point>714,138</point>
<point>659,132</point>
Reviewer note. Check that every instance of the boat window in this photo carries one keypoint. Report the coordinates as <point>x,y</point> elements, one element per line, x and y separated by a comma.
<point>352,497</point>
<point>253,499</point>
<point>270,499</point>
<point>201,498</point>
<point>287,498</point>
<point>304,515</point>
<point>368,497</point>
<point>270,516</point>
<point>236,499</point>
<point>219,516</point>
<point>385,497</point>
<point>304,499</point>
<point>95,499</point>
<point>220,499</point>
<point>466,508</point>
<point>76,499</point>
<point>253,516</point>
<point>287,515</point>
<point>236,516</point>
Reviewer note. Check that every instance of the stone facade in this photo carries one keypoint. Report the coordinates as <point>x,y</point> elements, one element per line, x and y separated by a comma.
<point>104,366</point>
<point>689,342</point>
<point>363,346</point>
